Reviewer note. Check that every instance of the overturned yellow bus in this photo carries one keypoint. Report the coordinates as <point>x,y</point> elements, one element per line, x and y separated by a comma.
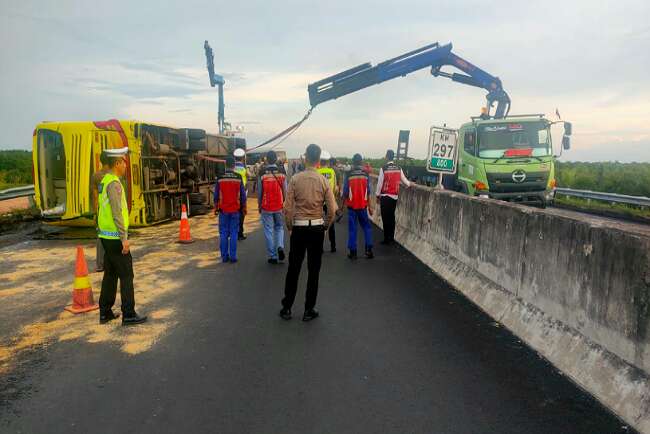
<point>167,167</point>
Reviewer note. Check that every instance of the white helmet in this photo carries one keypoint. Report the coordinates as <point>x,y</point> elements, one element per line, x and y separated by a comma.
<point>239,152</point>
<point>324,155</point>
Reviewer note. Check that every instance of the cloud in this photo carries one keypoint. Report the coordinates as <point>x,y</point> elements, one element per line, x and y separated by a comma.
<point>69,62</point>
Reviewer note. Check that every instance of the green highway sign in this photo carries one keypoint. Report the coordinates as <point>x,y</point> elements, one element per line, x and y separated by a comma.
<point>443,153</point>
<point>442,164</point>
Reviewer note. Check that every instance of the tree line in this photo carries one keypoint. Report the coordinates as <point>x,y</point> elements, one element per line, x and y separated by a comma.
<point>15,168</point>
<point>610,177</point>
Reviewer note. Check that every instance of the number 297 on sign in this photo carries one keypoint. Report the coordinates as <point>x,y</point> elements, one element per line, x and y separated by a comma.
<point>442,151</point>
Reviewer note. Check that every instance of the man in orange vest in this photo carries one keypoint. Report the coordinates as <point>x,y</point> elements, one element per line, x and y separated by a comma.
<point>388,183</point>
<point>229,202</point>
<point>356,192</point>
<point>271,191</point>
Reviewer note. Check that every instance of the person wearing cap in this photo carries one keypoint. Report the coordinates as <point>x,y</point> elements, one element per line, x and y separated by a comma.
<point>96,180</point>
<point>240,168</point>
<point>356,192</point>
<point>113,227</point>
<point>230,204</point>
<point>271,191</point>
<point>388,183</point>
<point>308,191</point>
<point>330,175</point>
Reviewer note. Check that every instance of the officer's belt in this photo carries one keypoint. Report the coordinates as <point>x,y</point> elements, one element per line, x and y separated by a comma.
<point>314,222</point>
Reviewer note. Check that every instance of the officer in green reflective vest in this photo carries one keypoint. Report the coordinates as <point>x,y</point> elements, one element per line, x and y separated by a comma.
<point>330,175</point>
<point>112,227</point>
<point>240,168</point>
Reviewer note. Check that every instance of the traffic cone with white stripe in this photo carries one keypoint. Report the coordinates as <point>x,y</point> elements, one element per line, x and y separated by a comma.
<point>184,236</point>
<point>82,293</point>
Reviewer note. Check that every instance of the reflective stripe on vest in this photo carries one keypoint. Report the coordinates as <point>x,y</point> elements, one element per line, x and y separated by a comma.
<point>272,184</point>
<point>358,189</point>
<point>329,173</point>
<point>392,179</point>
<point>105,223</point>
<point>229,192</point>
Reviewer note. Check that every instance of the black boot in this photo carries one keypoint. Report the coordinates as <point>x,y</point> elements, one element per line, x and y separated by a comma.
<point>133,319</point>
<point>108,316</point>
<point>352,254</point>
<point>369,253</point>
<point>285,314</point>
<point>310,315</point>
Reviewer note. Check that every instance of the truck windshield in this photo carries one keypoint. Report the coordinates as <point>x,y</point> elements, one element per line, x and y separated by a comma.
<point>515,139</point>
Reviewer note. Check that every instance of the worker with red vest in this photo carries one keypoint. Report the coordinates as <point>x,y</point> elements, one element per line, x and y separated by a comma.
<point>356,193</point>
<point>388,183</point>
<point>229,202</point>
<point>271,191</point>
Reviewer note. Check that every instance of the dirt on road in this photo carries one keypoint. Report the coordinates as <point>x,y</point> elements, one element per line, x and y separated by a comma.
<point>37,282</point>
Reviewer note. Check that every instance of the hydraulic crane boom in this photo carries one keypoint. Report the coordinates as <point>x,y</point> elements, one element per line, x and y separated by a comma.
<point>434,56</point>
<point>215,80</point>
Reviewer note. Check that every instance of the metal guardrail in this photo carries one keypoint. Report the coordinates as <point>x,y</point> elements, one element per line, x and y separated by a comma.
<point>11,193</point>
<point>606,197</point>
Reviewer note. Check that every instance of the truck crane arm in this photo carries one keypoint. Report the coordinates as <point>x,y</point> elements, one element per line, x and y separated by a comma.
<point>215,80</point>
<point>433,55</point>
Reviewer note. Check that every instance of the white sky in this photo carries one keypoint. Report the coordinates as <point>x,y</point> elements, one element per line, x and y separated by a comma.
<point>88,60</point>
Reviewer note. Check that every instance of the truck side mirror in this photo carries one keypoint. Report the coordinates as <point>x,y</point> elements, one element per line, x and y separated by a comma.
<point>567,129</point>
<point>566,142</point>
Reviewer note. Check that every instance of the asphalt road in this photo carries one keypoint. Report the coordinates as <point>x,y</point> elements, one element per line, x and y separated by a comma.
<point>394,351</point>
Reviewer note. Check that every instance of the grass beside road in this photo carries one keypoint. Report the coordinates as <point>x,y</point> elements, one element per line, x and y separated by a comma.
<point>604,208</point>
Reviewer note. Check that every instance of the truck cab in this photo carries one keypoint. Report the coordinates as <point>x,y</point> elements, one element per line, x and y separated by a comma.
<point>508,159</point>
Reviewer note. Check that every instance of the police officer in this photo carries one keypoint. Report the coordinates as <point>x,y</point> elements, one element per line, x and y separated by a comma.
<point>113,226</point>
<point>388,183</point>
<point>303,211</point>
<point>96,180</point>
<point>229,203</point>
<point>271,191</point>
<point>240,168</point>
<point>326,170</point>
<point>356,192</point>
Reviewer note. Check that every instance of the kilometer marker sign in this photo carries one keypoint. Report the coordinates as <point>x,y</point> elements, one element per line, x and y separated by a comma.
<point>443,152</point>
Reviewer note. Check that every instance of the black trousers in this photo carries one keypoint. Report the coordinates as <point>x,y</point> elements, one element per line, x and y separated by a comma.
<point>388,205</point>
<point>117,266</point>
<point>304,239</point>
<point>241,224</point>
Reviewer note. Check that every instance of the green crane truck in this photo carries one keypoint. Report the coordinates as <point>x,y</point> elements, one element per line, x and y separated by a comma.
<point>500,156</point>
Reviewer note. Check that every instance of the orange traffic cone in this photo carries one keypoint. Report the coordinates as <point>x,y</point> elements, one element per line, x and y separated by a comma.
<point>184,236</point>
<point>82,294</point>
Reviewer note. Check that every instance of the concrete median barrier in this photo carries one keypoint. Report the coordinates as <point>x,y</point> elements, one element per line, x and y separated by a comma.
<point>575,290</point>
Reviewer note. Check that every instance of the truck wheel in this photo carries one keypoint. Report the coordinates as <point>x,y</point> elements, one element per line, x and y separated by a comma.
<point>197,198</point>
<point>462,188</point>
<point>194,133</point>
<point>197,145</point>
